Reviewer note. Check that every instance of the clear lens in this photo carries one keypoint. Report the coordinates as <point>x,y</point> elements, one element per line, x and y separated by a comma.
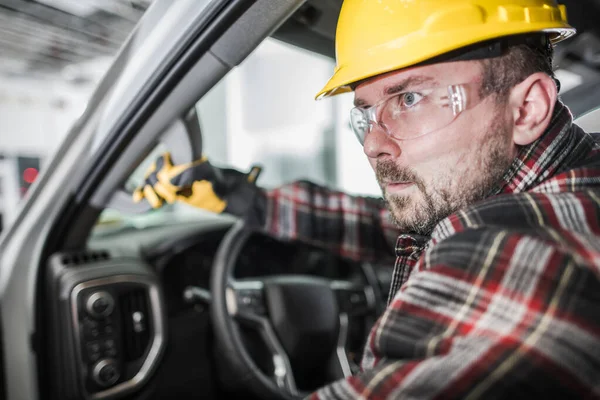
<point>360,123</point>
<point>413,114</point>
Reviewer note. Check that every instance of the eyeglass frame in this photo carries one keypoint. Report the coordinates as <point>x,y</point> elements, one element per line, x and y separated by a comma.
<point>457,99</point>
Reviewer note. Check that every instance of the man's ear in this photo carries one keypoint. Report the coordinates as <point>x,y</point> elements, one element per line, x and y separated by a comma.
<point>532,104</point>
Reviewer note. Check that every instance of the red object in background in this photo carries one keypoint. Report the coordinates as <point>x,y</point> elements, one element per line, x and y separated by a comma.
<point>30,174</point>
<point>28,169</point>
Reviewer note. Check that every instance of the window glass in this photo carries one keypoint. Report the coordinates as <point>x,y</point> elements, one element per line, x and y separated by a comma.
<point>264,112</point>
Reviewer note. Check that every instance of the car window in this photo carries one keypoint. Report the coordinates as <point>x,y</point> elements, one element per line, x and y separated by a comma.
<point>139,174</point>
<point>264,112</point>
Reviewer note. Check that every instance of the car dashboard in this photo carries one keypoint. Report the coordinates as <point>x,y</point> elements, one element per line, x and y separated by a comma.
<point>124,325</point>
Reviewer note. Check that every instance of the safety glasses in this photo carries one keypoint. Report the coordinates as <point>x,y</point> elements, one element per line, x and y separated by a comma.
<point>412,114</point>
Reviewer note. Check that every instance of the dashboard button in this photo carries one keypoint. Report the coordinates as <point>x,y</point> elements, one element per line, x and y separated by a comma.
<point>91,329</point>
<point>100,304</point>
<point>112,352</point>
<point>109,347</point>
<point>93,351</point>
<point>251,301</point>
<point>105,372</point>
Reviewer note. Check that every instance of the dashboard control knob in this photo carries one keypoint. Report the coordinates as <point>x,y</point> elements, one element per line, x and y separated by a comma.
<point>100,304</point>
<point>105,372</point>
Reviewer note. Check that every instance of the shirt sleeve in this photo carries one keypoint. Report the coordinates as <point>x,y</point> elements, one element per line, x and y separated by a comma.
<point>355,227</point>
<point>488,314</point>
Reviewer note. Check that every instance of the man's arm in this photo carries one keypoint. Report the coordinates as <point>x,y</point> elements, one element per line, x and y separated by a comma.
<point>352,226</point>
<point>489,313</point>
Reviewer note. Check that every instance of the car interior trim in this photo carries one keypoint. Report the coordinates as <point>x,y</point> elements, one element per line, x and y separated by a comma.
<point>258,22</point>
<point>283,375</point>
<point>373,289</point>
<point>158,339</point>
<point>341,346</point>
<point>282,372</point>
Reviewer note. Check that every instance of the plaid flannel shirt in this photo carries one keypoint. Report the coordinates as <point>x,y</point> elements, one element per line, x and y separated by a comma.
<point>502,301</point>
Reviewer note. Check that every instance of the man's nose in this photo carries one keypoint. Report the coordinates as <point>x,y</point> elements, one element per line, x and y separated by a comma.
<point>378,143</point>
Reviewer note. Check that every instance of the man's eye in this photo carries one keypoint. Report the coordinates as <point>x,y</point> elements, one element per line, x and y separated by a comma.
<point>409,99</point>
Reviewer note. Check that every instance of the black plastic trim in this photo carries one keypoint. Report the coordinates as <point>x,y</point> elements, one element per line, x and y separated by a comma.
<point>64,282</point>
<point>198,43</point>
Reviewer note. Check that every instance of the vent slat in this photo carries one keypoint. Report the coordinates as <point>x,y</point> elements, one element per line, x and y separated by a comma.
<point>74,259</point>
<point>136,323</point>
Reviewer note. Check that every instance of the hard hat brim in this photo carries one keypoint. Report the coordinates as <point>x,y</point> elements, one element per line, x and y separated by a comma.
<point>403,53</point>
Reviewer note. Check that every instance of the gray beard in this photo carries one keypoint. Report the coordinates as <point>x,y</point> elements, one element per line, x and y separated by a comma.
<point>477,182</point>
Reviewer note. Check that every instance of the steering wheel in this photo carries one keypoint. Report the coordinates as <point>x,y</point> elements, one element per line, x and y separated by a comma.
<point>303,320</point>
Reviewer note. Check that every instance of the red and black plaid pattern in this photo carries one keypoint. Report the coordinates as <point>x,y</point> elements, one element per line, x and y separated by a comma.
<point>354,227</point>
<point>503,300</point>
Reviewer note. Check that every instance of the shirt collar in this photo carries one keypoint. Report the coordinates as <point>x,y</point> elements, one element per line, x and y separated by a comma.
<point>410,244</point>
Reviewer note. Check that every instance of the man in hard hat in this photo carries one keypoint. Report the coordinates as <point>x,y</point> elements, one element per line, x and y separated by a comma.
<point>495,193</point>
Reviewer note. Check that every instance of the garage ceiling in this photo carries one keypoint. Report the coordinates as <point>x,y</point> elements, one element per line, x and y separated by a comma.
<point>39,38</point>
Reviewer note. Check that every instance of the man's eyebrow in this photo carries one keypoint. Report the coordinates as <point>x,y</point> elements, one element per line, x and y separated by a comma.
<point>407,83</point>
<point>399,87</point>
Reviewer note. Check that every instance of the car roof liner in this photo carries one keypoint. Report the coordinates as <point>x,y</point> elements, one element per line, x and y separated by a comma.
<point>312,27</point>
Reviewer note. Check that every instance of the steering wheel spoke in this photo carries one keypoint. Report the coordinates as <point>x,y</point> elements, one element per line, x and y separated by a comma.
<point>353,299</point>
<point>246,299</point>
<point>340,363</point>
<point>282,368</point>
<point>246,303</point>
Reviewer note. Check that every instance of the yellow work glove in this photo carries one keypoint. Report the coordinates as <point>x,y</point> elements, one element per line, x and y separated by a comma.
<point>199,184</point>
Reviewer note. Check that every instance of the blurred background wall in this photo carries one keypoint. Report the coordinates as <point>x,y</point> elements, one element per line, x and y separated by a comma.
<point>52,55</point>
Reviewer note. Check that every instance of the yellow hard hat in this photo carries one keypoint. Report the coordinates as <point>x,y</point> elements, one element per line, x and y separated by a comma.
<point>378,36</point>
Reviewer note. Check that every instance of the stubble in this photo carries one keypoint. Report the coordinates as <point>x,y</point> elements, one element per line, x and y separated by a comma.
<point>452,189</point>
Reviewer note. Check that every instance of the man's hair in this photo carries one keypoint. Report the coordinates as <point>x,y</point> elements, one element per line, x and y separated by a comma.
<point>500,74</point>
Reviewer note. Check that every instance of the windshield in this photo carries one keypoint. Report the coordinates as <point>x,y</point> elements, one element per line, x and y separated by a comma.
<point>264,113</point>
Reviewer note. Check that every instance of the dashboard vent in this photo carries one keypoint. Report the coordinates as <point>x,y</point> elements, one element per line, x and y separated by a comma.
<point>136,323</point>
<point>84,257</point>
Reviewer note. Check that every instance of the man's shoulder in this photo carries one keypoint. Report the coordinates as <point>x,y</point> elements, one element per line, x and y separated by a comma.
<point>566,199</point>
<point>520,228</point>
<point>540,214</point>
